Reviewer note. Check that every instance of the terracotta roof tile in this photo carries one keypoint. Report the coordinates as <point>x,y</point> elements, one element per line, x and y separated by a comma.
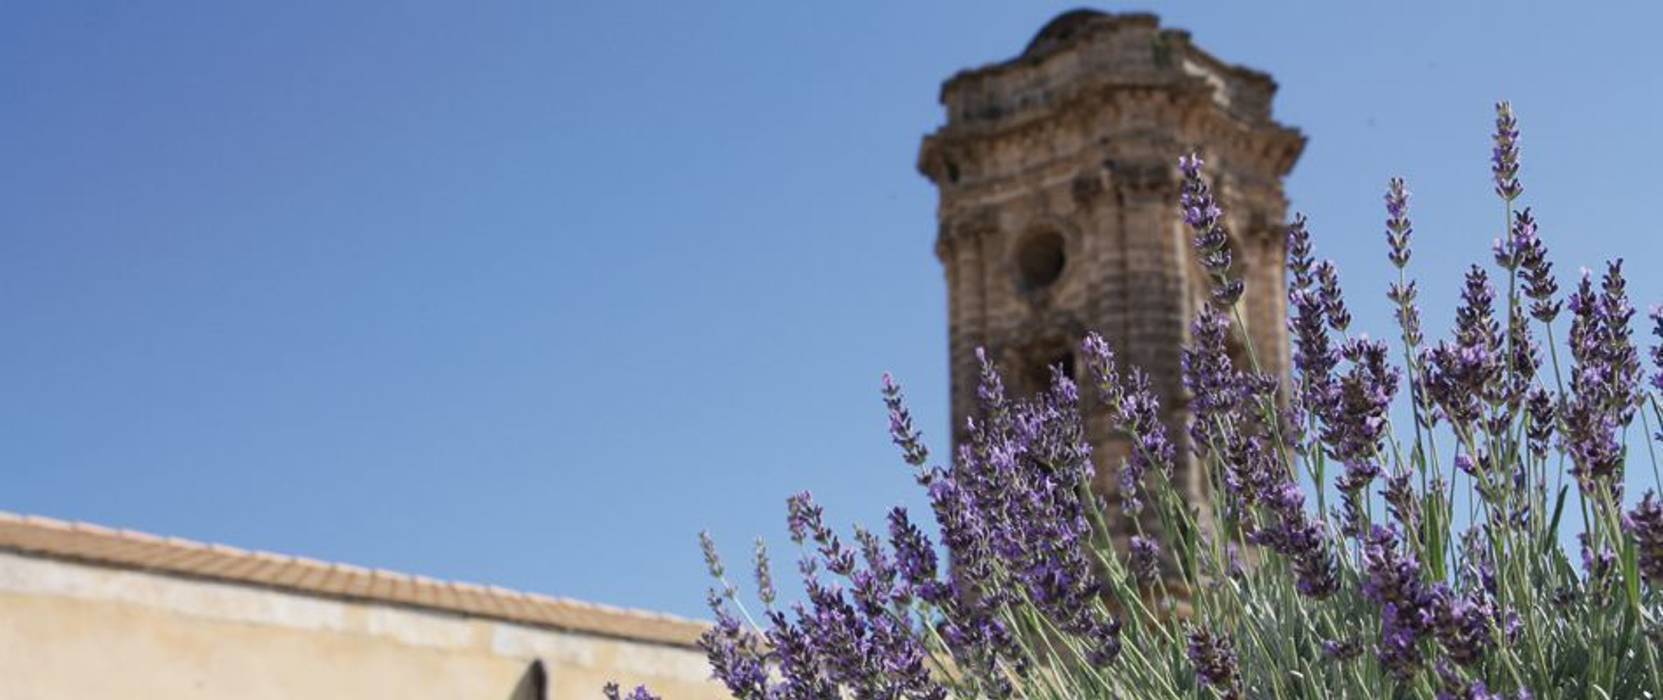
<point>125,548</point>
<point>265,567</point>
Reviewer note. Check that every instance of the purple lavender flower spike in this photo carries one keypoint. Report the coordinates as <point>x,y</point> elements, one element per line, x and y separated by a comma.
<point>1300,260</point>
<point>874,587</point>
<point>797,658</point>
<point>1504,158</point>
<point>1133,408</point>
<point>765,590</point>
<point>832,626</point>
<point>1523,361</point>
<point>1407,607</point>
<point>802,515</point>
<point>713,563</point>
<point>1463,374</point>
<point>1105,639</point>
<point>1397,650</point>
<point>901,430</point>
<point>1539,284</point>
<point>1622,359</point>
<point>806,520</point>
<point>1402,501</point>
<point>915,558</point>
<point>1303,541</point>
<point>1314,355</point>
<point>1462,625</point>
<point>1645,525</point>
<point>990,390</point>
<point>1214,657</point>
<point>734,653</point>
<point>1333,300</point>
<point>1407,312</point>
<point>712,560</point>
<point>1356,424</point>
<point>1316,570</point>
<point>1656,317</point>
<point>1398,228</point>
<point>1604,380</point>
<point>1212,238</point>
<point>1208,373</point>
<point>1145,560</point>
<point>1393,576</point>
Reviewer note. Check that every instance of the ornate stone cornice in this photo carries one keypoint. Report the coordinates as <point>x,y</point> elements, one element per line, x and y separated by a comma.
<point>1088,69</point>
<point>1183,112</point>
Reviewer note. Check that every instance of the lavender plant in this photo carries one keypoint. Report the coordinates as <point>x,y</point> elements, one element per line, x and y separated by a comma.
<point>1397,590</point>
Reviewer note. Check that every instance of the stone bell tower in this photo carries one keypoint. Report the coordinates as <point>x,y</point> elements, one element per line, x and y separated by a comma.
<point>1058,214</point>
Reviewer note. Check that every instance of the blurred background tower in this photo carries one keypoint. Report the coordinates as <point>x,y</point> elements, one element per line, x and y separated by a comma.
<point>1058,212</point>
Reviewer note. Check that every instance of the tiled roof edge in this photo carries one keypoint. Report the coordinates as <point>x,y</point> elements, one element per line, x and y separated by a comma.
<point>87,542</point>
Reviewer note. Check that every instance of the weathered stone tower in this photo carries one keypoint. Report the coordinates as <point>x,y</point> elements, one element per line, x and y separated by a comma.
<point>1058,211</point>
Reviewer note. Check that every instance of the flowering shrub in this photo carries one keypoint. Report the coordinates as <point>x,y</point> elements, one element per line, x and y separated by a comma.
<point>1388,591</point>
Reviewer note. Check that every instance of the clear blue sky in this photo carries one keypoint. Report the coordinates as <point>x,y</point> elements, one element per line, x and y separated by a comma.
<point>528,294</point>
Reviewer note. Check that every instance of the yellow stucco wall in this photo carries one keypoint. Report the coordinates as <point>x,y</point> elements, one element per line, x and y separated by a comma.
<point>70,630</point>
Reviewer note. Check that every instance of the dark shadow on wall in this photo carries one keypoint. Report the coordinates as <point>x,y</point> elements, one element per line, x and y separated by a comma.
<point>533,685</point>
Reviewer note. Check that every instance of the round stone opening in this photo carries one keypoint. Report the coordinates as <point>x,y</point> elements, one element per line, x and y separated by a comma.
<point>1040,260</point>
